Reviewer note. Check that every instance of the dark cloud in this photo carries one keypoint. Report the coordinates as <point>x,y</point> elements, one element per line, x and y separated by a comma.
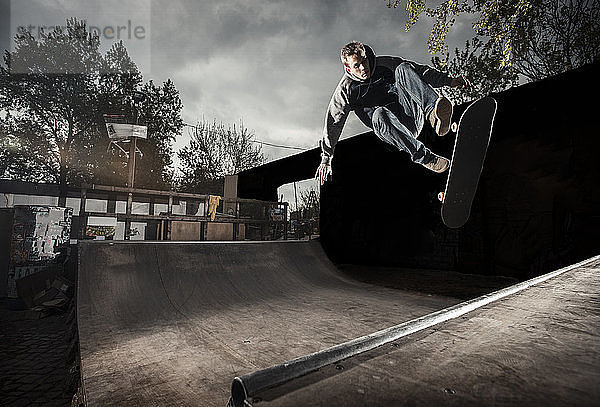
<point>275,63</point>
<point>190,28</point>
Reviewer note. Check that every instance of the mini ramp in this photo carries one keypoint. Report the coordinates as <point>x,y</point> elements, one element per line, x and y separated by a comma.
<point>163,323</point>
<point>173,324</point>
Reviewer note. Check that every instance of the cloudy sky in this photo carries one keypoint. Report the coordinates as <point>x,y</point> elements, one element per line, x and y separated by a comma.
<point>272,63</point>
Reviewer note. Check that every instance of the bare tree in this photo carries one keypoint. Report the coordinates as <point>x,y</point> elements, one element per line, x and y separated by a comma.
<point>310,202</point>
<point>216,150</point>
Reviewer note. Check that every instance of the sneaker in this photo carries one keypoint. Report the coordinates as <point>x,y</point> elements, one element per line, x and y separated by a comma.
<point>438,164</point>
<point>441,116</point>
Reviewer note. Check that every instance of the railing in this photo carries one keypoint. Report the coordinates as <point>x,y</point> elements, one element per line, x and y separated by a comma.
<point>270,218</point>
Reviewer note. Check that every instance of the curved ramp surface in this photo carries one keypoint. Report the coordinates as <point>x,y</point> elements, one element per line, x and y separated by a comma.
<point>163,323</point>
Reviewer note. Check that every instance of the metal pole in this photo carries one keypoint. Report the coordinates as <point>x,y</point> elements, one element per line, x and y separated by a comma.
<point>296,198</point>
<point>131,162</point>
<point>169,213</point>
<point>128,216</point>
<point>138,96</point>
<point>285,221</point>
<point>297,212</point>
<point>82,214</point>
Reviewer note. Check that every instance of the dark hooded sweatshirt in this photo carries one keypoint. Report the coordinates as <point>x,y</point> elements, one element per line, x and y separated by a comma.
<point>364,96</point>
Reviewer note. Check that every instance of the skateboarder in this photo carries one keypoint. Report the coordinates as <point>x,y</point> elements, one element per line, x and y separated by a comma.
<point>392,96</point>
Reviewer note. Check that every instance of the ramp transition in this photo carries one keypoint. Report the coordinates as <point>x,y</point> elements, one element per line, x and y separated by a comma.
<point>163,323</point>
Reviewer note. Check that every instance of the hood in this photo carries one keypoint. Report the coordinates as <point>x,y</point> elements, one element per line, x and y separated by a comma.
<point>372,64</point>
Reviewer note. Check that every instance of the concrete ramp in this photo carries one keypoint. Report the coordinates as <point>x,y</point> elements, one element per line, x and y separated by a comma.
<point>163,323</point>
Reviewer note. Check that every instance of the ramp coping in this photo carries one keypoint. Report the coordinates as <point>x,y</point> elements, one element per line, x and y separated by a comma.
<point>251,384</point>
<point>183,242</point>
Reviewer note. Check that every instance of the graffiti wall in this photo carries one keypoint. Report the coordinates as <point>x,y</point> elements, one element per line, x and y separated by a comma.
<point>39,234</point>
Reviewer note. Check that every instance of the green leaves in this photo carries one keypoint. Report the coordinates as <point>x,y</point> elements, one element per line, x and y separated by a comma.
<point>512,40</point>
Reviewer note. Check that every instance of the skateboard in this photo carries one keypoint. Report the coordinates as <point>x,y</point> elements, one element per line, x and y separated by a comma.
<point>473,135</point>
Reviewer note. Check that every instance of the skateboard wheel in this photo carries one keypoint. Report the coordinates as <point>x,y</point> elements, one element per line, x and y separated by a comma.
<point>454,127</point>
<point>441,197</point>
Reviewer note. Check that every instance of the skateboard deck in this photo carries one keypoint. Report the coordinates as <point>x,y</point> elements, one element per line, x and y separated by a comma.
<point>472,140</point>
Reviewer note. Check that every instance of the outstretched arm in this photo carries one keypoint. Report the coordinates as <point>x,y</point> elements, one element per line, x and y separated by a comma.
<point>337,113</point>
<point>429,74</point>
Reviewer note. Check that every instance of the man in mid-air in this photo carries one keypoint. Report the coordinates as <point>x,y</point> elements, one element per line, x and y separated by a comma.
<point>392,96</point>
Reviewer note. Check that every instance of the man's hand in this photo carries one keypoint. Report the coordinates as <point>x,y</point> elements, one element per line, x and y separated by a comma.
<point>460,82</point>
<point>324,172</point>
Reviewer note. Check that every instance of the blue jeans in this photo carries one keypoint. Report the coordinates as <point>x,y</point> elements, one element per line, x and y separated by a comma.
<point>417,99</point>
